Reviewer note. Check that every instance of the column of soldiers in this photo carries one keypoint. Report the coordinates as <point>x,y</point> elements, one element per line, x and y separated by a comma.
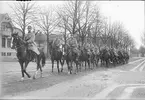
<point>77,46</point>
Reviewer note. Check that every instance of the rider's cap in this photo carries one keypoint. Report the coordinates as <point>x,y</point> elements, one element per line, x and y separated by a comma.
<point>29,27</point>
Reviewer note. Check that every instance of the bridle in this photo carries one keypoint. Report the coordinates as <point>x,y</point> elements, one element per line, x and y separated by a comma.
<point>16,40</point>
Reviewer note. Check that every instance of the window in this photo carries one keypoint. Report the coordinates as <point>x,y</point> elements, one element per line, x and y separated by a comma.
<point>8,54</point>
<point>3,27</point>
<point>3,42</point>
<point>8,42</point>
<point>3,54</point>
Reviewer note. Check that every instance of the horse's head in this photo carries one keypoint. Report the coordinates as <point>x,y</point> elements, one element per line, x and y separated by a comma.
<point>16,41</point>
<point>50,44</point>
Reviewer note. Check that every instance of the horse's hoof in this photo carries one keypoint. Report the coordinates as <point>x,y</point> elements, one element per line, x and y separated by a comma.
<point>22,79</point>
<point>43,65</point>
<point>29,77</point>
<point>34,77</point>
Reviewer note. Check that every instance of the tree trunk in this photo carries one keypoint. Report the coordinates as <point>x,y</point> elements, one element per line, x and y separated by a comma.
<point>75,17</point>
<point>65,41</point>
<point>47,44</point>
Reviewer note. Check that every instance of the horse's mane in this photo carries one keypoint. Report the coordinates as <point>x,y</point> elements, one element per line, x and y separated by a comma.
<point>19,37</point>
<point>52,47</point>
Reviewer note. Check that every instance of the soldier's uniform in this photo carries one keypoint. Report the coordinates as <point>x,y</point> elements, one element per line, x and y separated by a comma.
<point>88,48</point>
<point>30,39</point>
<point>72,42</point>
<point>57,43</point>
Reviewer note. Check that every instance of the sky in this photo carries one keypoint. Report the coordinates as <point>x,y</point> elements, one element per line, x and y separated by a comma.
<point>130,13</point>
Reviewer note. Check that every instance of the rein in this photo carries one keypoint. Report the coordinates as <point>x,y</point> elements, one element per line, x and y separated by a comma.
<point>17,47</point>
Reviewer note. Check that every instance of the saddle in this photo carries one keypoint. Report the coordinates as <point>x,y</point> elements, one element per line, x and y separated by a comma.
<point>31,55</point>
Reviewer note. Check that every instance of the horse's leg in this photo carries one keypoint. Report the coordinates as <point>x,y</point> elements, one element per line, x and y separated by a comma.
<point>34,76</point>
<point>71,67</point>
<point>52,64</point>
<point>62,63</point>
<point>88,63</point>
<point>26,64</point>
<point>43,59</point>
<point>67,62</point>
<point>58,65</point>
<point>93,63</point>
<point>22,71</point>
<point>107,63</point>
<point>40,70</point>
<point>38,67</point>
<point>102,61</point>
<point>97,62</point>
<point>76,64</point>
<point>85,65</point>
<point>80,66</point>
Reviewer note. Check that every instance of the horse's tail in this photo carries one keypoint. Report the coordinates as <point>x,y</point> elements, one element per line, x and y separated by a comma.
<point>43,59</point>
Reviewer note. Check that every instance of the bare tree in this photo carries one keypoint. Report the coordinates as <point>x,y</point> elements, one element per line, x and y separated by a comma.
<point>24,14</point>
<point>63,24</point>
<point>47,23</point>
<point>104,36</point>
<point>88,18</point>
<point>68,17</point>
<point>97,26</point>
<point>120,37</point>
<point>85,19</point>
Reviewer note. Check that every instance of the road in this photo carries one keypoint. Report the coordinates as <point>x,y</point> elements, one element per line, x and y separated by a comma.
<point>121,82</point>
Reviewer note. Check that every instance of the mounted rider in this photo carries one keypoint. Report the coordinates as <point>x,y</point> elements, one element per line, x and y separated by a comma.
<point>72,42</point>
<point>88,47</point>
<point>57,43</point>
<point>30,40</point>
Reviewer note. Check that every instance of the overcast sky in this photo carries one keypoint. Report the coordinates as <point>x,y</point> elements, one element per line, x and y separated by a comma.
<point>130,13</point>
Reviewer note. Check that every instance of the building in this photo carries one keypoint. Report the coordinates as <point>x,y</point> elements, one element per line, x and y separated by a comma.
<point>6,27</point>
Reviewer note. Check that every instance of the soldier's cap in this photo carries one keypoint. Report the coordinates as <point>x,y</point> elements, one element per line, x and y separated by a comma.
<point>15,33</point>
<point>29,27</point>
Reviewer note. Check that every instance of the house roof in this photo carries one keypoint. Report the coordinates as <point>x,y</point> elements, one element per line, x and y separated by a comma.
<point>6,18</point>
<point>1,17</point>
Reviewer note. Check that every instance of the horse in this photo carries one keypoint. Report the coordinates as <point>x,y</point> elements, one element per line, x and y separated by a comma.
<point>85,57</point>
<point>104,56</point>
<point>23,55</point>
<point>113,56</point>
<point>70,56</point>
<point>56,54</point>
<point>94,57</point>
<point>125,56</point>
<point>97,57</point>
<point>121,57</point>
